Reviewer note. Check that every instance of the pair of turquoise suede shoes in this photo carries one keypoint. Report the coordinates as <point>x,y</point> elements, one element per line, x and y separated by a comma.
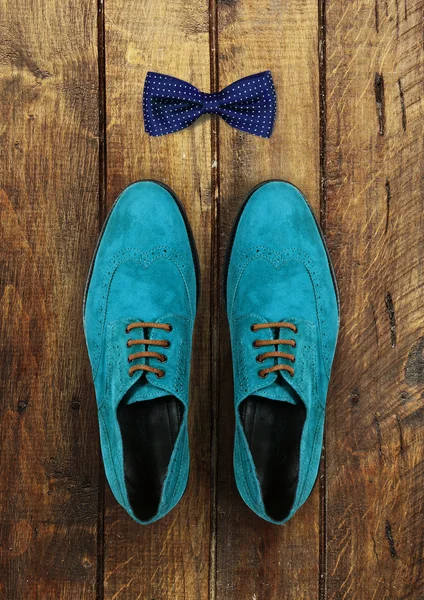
<point>139,312</point>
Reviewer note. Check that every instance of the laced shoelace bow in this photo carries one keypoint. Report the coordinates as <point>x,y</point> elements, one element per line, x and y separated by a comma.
<point>148,353</point>
<point>275,353</point>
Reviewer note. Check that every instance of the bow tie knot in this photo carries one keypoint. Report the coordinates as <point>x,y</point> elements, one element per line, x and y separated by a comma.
<point>210,103</point>
<point>171,104</point>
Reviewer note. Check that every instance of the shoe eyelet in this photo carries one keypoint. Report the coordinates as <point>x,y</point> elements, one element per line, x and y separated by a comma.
<point>254,344</point>
<point>161,376</point>
<point>258,358</point>
<point>295,330</point>
<point>128,344</point>
<point>127,330</point>
<point>163,359</point>
<point>129,359</point>
<point>168,344</point>
<point>130,374</point>
<point>252,329</point>
<point>262,375</point>
<point>170,328</point>
<point>294,344</point>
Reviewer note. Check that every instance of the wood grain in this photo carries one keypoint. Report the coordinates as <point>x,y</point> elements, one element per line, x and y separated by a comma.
<point>169,559</point>
<point>375,476</point>
<point>256,559</point>
<point>49,456</point>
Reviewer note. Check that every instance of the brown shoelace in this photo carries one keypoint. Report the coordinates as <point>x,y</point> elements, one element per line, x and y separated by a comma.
<point>148,353</point>
<point>275,354</point>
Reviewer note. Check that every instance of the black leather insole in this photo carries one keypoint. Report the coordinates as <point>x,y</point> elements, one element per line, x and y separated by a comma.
<point>149,429</point>
<point>273,430</point>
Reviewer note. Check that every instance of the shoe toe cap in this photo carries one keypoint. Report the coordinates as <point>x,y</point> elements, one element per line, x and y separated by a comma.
<point>146,215</point>
<point>278,215</point>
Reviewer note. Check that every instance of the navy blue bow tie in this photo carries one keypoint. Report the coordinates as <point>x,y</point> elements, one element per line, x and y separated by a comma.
<point>171,104</point>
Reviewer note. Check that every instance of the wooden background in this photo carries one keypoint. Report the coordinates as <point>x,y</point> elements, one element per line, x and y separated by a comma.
<point>350,85</point>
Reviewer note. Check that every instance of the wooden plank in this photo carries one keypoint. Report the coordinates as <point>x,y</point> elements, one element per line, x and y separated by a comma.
<point>49,221</point>
<point>169,559</point>
<point>256,559</point>
<point>375,111</point>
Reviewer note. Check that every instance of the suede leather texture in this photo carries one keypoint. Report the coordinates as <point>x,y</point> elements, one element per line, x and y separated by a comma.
<point>279,270</point>
<point>143,270</point>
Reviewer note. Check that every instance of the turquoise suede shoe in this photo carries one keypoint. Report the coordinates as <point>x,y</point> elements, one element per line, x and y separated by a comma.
<point>139,312</point>
<point>282,306</point>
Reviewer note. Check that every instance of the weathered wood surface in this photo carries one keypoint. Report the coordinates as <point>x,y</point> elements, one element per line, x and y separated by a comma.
<point>169,559</point>
<point>256,559</point>
<point>349,132</point>
<point>49,453</point>
<point>374,214</point>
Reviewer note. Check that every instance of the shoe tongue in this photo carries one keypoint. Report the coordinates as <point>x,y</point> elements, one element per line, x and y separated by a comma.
<point>279,390</point>
<point>142,389</point>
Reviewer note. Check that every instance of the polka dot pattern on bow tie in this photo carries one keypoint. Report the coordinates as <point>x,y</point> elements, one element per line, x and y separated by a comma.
<point>171,104</point>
